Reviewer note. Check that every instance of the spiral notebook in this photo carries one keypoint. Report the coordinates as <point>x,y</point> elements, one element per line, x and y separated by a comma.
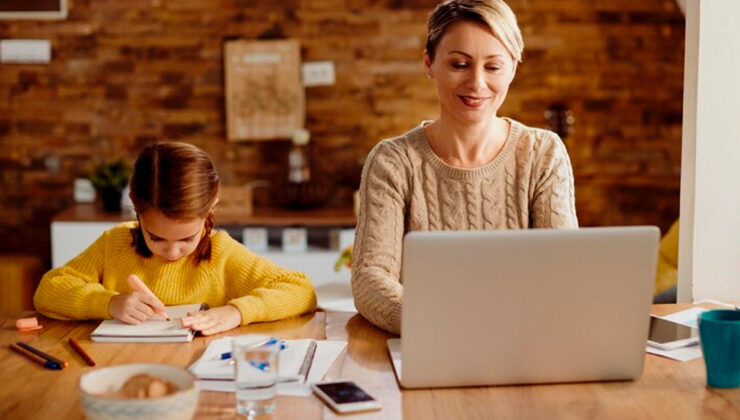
<point>154,330</point>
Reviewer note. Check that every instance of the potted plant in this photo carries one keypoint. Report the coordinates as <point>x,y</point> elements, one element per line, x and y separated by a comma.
<point>110,178</point>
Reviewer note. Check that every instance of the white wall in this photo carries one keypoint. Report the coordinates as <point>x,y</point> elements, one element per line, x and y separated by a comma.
<point>709,248</point>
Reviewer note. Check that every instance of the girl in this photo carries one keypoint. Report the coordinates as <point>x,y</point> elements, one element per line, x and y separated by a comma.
<point>172,247</point>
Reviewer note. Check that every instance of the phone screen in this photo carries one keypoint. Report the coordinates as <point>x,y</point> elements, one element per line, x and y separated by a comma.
<point>344,392</point>
<point>662,331</point>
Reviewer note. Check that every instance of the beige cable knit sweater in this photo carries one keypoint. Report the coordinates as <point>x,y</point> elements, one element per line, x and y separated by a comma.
<point>406,187</point>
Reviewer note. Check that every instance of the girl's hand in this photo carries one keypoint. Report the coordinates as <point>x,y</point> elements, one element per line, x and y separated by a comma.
<point>134,307</point>
<point>213,321</point>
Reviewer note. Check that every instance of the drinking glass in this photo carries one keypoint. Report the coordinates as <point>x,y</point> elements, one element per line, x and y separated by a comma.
<point>255,374</point>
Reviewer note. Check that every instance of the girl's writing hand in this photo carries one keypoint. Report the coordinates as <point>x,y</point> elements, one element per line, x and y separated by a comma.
<point>134,307</point>
<point>213,321</point>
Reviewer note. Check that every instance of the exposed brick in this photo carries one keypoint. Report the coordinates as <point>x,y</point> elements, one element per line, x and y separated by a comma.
<point>127,72</point>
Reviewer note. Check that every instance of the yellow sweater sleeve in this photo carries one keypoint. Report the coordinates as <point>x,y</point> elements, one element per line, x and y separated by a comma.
<point>263,291</point>
<point>667,275</point>
<point>74,291</point>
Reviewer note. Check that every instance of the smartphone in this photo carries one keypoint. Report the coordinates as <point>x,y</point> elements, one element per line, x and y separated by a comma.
<point>345,396</point>
<point>668,335</point>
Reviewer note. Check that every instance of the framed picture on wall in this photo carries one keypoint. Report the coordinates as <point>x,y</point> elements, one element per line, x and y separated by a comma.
<point>264,94</point>
<point>33,9</point>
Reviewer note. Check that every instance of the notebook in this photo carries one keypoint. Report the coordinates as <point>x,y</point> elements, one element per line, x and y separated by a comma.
<point>154,330</point>
<point>295,361</point>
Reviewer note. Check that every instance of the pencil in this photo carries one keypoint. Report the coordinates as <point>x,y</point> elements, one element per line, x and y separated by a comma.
<point>78,348</point>
<point>38,359</point>
<point>38,352</point>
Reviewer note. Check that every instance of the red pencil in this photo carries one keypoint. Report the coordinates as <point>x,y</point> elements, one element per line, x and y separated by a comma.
<point>78,348</point>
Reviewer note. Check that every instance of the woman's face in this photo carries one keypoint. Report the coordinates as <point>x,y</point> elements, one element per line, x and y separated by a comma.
<point>169,238</point>
<point>472,70</point>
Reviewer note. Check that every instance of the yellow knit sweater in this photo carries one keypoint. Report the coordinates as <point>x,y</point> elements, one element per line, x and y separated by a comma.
<point>262,291</point>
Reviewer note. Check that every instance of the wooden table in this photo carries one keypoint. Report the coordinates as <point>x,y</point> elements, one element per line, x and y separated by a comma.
<point>666,390</point>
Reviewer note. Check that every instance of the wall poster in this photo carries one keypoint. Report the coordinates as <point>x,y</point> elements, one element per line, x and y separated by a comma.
<point>264,94</point>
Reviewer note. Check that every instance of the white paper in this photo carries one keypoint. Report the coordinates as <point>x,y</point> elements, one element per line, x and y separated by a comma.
<point>326,353</point>
<point>151,330</point>
<point>688,317</point>
<point>394,348</point>
<point>682,354</point>
<point>336,297</point>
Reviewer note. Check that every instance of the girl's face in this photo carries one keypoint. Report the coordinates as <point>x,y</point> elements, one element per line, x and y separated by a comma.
<point>168,238</point>
<point>472,70</point>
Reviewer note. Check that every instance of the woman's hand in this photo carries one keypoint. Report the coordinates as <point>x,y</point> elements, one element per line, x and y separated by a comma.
<point>134,307</point>
<point>213,321</point>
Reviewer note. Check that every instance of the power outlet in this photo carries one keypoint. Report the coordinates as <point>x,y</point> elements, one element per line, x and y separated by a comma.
<point>318,73</point>
<point>25,51</point>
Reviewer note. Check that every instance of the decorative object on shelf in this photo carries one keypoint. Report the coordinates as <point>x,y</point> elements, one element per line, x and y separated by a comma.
<point>304,184</point>
<point>84,191</point>
<point>236,201</point>
<point>295,240</point>
<point>110,179</point>
<point>345,259</point>
<point>560,119</point>
<point>255,238</point>
<point>264,94</point>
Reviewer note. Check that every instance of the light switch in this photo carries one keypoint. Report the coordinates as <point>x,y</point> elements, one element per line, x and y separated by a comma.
<point>318,73</point>
<point>37,51</point>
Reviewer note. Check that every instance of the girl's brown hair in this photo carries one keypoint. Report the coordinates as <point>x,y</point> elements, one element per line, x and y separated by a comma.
<point>179,180</point>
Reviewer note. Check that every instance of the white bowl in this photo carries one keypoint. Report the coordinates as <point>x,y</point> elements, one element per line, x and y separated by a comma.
<point>178,405</point>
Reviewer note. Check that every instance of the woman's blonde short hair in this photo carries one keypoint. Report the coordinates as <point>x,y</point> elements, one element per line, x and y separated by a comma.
<point>493,13</point>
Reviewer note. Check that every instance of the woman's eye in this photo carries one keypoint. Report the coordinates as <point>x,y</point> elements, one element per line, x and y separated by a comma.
<point>155,239</point>
<point>459,66</point>
<point>493,68</point>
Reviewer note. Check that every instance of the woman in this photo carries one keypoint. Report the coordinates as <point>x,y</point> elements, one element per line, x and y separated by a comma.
<point>469,169</point>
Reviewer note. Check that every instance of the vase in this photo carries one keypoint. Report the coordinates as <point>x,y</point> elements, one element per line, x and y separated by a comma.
<point>111,199</point>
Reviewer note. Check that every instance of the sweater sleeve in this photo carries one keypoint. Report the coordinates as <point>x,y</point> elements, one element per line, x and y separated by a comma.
<point>263,291</point>
<point>553,204</point>
<point>376,264</point>
<point>74,291</point>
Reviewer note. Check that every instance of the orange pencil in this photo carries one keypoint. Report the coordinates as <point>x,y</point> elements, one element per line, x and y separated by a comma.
<point>78,348</point>
<point>135,282</point>
<point>33,357</point>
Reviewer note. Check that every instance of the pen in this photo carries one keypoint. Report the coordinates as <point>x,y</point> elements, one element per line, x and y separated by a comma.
<point>270,342</point>
<point>35,358</point>
<point>135,282</point>
<point>78,348</point>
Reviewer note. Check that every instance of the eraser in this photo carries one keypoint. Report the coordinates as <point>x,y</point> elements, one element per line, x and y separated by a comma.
<point>38,327</point>
<point>25,323</point>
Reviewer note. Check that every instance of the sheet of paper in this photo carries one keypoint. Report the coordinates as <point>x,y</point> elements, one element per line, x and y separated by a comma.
<point>326,353</point>
<point>688,317</point>
<point>394,348</point>
<point>683,354</point>
<point>336,297</point>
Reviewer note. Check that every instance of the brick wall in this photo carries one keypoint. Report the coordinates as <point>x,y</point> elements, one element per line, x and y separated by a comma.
<point>125,72</point>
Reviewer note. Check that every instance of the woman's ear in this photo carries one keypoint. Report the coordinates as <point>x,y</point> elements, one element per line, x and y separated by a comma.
<point>213,206</point>
<point>428,64</point>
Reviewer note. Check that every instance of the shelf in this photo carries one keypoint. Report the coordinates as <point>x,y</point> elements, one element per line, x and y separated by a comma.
<point>335,217</point>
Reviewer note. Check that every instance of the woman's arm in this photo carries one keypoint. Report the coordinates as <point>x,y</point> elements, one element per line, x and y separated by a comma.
<point>74,291</point>
<point>378,244</point>
<point>553,204</point>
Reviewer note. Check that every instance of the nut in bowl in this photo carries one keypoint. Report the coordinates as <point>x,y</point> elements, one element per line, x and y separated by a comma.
<point>139,391</point>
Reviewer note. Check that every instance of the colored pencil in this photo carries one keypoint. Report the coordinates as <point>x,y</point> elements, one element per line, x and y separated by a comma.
<point>38,352</point>
<point>38,359</point>
<point>78,348</point>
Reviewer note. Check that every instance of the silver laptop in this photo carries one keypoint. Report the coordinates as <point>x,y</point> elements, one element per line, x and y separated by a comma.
<point>521,307</point>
